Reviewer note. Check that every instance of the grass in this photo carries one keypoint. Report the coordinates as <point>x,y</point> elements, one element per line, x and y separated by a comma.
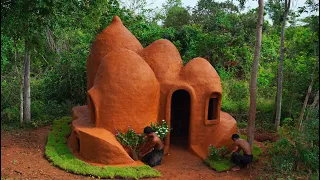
<point>60,155</point>
<point>219,165</point>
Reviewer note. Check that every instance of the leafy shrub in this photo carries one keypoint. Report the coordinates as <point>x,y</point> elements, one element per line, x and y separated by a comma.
<point>239,90</point>
<point>302,152</point>
<point>161,130</point>
<point>242,125</point>
<point>217,153</point>
<point>283,156</point>
<point>131,139</point>
<point>288,122</point>
<point>216,159</point>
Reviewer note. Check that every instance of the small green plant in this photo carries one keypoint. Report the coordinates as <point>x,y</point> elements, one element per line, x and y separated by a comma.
<point>217,160</point>
<point>217,153</point>
<point>161,130</point>
<point>283,156</point>
<point>288,122</point>
<point>14,162</point>
<point>131,140</point>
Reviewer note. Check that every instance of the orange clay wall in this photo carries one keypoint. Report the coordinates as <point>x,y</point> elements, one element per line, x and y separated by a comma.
<point>131,85</point>
<point>125,92</point>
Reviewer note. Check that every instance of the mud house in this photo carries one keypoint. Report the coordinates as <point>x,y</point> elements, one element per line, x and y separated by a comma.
<point>131,85</point>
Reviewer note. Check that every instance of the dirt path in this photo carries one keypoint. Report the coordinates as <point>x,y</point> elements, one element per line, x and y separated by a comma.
<point>22,157</point>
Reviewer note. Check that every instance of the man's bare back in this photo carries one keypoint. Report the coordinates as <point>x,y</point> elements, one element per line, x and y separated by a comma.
<point>242,145</point>
<point>238,159</point>
<point>152,142</point>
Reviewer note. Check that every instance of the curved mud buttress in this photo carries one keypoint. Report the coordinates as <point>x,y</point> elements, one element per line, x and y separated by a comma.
<point>95,145</point>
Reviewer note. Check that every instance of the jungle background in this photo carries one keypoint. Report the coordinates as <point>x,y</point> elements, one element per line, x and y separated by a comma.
<point>55,38</point>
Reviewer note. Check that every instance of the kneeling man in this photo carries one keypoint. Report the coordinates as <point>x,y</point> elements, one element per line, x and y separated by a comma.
<point>152,150</point>
<point>238,145</point>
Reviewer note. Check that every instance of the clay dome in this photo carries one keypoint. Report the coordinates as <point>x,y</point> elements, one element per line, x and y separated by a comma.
<point>164,59</point>
<point>127,89</point>
<point>115,36</point>
<point>199,72</point>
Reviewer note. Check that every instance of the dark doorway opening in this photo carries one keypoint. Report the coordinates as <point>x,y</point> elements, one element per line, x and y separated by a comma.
<point>180,118</point>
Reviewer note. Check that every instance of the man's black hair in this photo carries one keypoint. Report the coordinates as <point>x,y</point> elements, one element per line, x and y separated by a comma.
<point>147,130</point>
<point>235,136</point>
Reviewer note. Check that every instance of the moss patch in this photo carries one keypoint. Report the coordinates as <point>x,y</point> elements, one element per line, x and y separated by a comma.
<point>60,155</point>
<point>219,165</point>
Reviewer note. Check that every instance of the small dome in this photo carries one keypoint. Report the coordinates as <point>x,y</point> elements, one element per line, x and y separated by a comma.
<point>199,72</point>
<point>164,59</point>
<point>125,92</point>
<point>115,36</point>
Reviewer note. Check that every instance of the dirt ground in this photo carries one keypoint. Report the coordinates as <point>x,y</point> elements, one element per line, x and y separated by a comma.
<point>22,157</point>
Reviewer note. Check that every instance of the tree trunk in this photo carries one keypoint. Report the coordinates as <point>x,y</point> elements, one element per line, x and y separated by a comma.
<point>27,100</point>
<point>307,97</point>
<point>280,75</point>
<point>254,75</point>
<point>313,105</point>
<point>21,100</point>
<point>21,81</point>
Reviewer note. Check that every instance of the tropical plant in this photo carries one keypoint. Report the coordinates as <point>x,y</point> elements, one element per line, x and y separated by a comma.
<point>130,140</point>
<point>161,130</point>
<point>217,153</point>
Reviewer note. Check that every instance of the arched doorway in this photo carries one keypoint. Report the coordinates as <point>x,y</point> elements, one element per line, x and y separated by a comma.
<point>180,118</point>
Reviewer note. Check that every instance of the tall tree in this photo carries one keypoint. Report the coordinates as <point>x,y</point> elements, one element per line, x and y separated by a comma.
<point>254,75</point>
<point>307,97</point>
<point>26,95</point>
<point>280,71</point>
<point>177,17</point>
<point>135,6</point>
<point>26,20</point>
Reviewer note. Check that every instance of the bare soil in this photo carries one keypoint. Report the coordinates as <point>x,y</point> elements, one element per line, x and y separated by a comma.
<point>22,157</point>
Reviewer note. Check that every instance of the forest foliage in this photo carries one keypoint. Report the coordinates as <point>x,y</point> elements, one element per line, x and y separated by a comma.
<point>59,35</point>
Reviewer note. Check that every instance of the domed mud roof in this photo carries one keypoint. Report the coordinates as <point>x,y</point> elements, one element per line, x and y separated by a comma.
<point>164,59</point>
<point>199,72</point>
<point>115,36</point>
<point>127,90</point>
